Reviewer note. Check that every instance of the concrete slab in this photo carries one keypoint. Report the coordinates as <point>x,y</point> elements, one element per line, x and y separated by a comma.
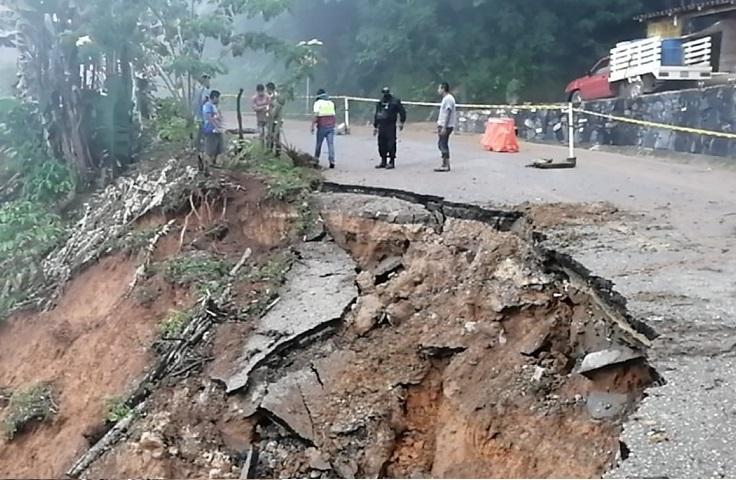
<point>318,289</point>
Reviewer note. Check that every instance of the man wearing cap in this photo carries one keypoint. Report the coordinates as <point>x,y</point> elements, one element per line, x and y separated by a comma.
<point>388,110</point>
<point>325,121</point>
<point>199,99</point>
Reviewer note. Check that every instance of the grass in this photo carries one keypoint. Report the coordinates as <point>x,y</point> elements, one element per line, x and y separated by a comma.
<point>116,410</point>
<point>175,323</point>
<point>274,269</point>
<point>206,274</point>
<point>193,270</point>
<point>284,180</point>
<point>35,404</point>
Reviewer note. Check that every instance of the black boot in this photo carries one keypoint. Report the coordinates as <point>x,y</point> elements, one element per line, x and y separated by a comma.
<point>391,164</point>
<point>445,165</point>
<point>382,164</point>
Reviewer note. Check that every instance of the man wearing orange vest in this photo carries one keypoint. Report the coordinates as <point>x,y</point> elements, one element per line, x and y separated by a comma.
<point>325,121</point>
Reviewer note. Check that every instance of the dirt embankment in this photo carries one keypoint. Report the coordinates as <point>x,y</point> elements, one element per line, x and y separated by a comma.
<point>98,342</point>
<point>404,343</point>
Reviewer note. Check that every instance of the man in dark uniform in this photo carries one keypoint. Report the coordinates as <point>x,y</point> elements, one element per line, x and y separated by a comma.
<point>388,110</point>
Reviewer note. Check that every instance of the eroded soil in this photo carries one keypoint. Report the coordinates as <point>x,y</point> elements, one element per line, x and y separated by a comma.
<point>97,343</point>
<point>461,351</point>
<point>460,361</point>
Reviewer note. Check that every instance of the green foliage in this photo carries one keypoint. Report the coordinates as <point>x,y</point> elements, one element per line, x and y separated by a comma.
<point>35,404</point>
<point>117,410</point>
<point>284,180</point>
<point>28,231</point>
<point>206,274</point>
<point>28,228</point>
<point>187,270</point>
<point>274,269</point>
<point>175,323</point>
<point>24,155</point>
<point>47,182</point>
<point>171,123</point>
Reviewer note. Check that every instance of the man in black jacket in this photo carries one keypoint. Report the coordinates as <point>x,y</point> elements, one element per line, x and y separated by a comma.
<point>388,110</point>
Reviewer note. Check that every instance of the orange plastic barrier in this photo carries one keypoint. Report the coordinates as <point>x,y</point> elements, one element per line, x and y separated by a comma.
<point>500,136</point>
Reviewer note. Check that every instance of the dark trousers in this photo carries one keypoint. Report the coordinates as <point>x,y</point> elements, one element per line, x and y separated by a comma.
<point>387,141</point>
<point>444,142</point>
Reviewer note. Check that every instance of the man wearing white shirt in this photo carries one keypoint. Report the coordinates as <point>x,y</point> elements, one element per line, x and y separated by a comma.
<point>446,124</point>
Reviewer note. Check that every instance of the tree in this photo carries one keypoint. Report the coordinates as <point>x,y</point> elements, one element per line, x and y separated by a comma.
<point>75,67</point>
<point>480,46</point>
<point>80,63</point>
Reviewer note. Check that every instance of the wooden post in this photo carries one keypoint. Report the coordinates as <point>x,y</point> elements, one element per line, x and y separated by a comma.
<point>347,116</point>
<point>240,115</point>
<point>571,132</point>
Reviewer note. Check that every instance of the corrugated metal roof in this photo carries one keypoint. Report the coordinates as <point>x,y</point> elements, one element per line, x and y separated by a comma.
<point>689,8</point>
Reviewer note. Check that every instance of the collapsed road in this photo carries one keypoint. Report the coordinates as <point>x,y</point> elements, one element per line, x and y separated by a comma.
<point>410,336</point>
<point>661,228</point>
<point>413,337</point>
<point>467,353</point>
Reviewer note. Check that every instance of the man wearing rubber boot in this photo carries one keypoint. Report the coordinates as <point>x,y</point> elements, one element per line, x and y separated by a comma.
<point>388,110</point>
<point>446,124</point>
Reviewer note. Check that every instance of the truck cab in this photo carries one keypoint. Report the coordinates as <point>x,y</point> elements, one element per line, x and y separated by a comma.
<point>594,85</point>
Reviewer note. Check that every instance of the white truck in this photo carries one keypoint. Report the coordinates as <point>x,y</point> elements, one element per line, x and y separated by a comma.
<point>640,66</point>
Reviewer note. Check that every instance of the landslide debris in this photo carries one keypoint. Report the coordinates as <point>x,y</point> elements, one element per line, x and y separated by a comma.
<point>399,338</point>
<point>466,354</point>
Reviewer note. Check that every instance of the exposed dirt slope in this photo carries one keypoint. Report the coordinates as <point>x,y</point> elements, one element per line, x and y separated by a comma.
<point>96,344</point>
<point>91,348</point>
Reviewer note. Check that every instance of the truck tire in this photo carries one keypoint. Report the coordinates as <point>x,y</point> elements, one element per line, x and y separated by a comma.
<point>636,87</point>
<point>576,97</point>
<point>618,89</point>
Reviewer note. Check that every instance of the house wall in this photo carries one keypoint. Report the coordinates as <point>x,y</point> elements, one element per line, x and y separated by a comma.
<point>710,109</point>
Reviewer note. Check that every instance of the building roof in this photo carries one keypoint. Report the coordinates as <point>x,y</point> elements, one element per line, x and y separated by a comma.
<point>692,7</point>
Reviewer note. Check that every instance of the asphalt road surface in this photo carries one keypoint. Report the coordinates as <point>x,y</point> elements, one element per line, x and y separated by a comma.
<point>673,255</point>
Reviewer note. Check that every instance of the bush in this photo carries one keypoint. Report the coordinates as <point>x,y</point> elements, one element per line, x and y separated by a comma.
<point>175,323</point>
<point>28,231</point>
<point>171,123</point>
<point>23,151</point>
<point>284,180</point>
<point>116,410</point>
<point>35,404</point>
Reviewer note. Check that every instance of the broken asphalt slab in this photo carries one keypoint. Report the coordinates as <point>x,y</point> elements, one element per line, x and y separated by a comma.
<point>606,358</point>
<point>318,290</point>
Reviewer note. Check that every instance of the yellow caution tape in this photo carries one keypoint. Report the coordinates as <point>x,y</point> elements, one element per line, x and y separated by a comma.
<point>547,106</point>
<point>544,106</point>
<point>645,123</point>
<point>541,106</point>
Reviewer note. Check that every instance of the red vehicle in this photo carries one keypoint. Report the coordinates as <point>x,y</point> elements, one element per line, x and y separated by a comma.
<point>592,86</point>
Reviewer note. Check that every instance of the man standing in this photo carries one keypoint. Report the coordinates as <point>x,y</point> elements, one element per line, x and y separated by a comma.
<point>388,109</point>
<point>275,119</point>
<point>325,121</point>
<point>446,125</point>
<point>201,95</point>
<point>260,103</point>
<point>212,130</point>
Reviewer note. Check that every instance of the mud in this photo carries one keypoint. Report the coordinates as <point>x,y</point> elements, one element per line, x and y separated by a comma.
<point>102,337</point>
<point>91,348</point>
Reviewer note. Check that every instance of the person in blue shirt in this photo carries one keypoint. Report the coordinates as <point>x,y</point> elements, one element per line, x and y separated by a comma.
<point>200,97</point>
<point>212,129</point>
